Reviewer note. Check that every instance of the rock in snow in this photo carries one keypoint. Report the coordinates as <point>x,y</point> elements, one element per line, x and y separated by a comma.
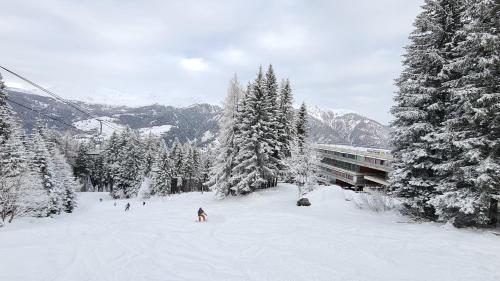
<point>303,202</point>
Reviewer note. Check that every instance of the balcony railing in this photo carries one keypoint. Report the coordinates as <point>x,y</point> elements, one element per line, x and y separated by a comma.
<point>361,160</point>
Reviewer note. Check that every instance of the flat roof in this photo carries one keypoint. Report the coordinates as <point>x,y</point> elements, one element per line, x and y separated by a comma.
<point>383,154</point>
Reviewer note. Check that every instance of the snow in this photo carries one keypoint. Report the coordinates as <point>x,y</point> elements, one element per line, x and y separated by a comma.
<point>155,130</point>
<point>207,136</point>
<point>263,236</point>
<point>318,113</point>
<point>93,124</point>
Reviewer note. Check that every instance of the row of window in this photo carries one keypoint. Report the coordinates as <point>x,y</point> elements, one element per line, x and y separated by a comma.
<point>341,164</point>
<point>339,174</point>
<point>357,157</point>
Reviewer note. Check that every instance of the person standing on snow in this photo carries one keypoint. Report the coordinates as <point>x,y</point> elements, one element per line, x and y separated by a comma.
<point>127,207</point>
<point>202,216</point>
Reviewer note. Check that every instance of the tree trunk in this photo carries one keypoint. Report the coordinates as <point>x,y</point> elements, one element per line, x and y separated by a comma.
<point>493,212</point>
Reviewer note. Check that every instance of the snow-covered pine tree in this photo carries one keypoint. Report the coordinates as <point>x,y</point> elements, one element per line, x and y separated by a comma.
<point>5,118</point>
<point>274,127</point>
<point>13,166</point>
<point>187,167</point>
<point>151,145</point>
<point>302,165</point>
<point>64,175</point>
<point>255,166</point>
<point>129,173</point>
<point>81,168</point>
<point>470,192</point>
<point>21,188</point>
<point>176,157</point>
<point>220,173</point>
<point>111,165</point>
<point>197,169</point>
<point>286,119</point>
<point>421,107</point>
<point>301,127</point>
<point>43,162</point>
<point>34,199</point>
<point>98,171</point>
<point>161,172</point>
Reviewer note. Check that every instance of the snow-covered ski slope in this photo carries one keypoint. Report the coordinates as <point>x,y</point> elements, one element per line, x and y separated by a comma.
<point>263,236</point>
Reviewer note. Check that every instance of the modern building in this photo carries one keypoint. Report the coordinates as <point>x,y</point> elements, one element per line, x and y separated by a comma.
<point>354,167</point>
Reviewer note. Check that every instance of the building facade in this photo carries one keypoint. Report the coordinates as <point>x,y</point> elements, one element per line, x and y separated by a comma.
<point>353,166</point>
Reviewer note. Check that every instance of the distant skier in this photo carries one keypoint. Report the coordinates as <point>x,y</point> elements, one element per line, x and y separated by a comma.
<point>127,207</point>
<point>202,216</point>
<point>100,199</point>
<point>143,203</point>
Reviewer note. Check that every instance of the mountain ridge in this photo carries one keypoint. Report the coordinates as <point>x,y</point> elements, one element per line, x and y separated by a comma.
<point>196,123</point>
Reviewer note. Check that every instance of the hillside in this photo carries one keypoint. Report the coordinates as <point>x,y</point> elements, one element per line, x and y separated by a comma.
<point>263,236</point>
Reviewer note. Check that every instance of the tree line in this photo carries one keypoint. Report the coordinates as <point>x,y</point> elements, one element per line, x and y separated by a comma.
<point>35,178</point>
<point>128,165</point>
<point>447,114</point>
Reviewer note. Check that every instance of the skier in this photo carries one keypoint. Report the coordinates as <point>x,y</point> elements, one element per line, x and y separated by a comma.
<point>100,199</point>
<point>127,207</point>
<point>201,215</point>
<point>143,203</point>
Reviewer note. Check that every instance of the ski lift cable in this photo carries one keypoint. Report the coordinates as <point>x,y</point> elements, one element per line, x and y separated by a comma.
<point>40,113</point>
<point>67,102</point>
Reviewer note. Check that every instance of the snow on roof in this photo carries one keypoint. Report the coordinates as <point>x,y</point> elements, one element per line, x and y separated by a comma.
<point>374,152</point>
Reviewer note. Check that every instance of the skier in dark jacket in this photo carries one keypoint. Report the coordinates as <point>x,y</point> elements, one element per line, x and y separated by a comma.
<point>127,207</point>
<point>202,216</point>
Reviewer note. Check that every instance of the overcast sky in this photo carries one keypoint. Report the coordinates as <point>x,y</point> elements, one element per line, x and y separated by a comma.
<point>337,53</point>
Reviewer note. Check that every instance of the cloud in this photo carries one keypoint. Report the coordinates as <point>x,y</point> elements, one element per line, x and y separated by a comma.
<point>337,53</point>
<point>194,64</point>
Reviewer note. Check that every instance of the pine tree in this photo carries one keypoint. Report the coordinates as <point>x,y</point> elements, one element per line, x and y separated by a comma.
<point>286,119</point>
<point>301,127</point>
<point>5,115</point>
<point>64,175</point>
<point>187,167</point>
<point>161,173</point>
<point>98,171</point>
<point>129,172</point>
<point>471,188</point>
<point>151,149</point>
<point>421,107</point>
<point>198,169</point>
<point>81,169</point>
<point>176,157</point>
<point>220,174</point>
<point>255,164</point>
<point>272,111</point>
<point>13,165</point>
<point>303,166</point>
<point>43,162</point>
<point>112,150</point>
<point>35,199</point>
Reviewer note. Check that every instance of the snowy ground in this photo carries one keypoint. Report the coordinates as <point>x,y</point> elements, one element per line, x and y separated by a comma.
<point>260,237</point>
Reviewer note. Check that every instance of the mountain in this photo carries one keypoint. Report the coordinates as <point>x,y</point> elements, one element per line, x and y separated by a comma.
<point>197,123</point>
<point>346,127</point>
